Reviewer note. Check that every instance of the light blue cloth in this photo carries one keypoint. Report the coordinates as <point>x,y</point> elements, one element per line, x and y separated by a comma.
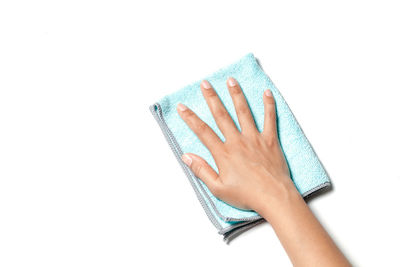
<point>306,170</point>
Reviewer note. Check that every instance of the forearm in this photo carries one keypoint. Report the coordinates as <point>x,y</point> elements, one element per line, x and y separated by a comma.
<point>302,236</point>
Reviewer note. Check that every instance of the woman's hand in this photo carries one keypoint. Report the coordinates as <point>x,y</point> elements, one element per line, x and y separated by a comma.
<point>253,174</point>
<point>252,168</point>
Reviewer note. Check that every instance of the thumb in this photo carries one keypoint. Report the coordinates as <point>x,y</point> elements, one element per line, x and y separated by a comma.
<point>201,169</point>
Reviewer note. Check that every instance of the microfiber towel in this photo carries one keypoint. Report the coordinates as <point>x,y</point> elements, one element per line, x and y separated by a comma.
<point>305,168</point>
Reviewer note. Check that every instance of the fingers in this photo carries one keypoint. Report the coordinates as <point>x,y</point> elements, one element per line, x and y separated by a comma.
<point>202,170</point>
<point>206,135</point>
<point>242,108</point>
<point>269,132</point>
<point>221,116</point>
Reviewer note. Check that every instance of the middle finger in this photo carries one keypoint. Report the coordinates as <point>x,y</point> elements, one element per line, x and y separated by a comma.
<point>220,114</point>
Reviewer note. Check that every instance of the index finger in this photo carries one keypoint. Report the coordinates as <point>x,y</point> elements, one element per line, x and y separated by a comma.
<point>206,135</point>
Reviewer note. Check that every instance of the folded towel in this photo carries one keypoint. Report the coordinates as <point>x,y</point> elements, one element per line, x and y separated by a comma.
<point>306,170</point>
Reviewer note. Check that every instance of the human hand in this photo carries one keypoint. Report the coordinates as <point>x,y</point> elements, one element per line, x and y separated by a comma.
<point>253,174</point>
<point>252,168</point>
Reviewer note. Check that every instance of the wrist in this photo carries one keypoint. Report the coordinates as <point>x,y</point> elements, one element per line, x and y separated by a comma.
<point>279,205</point>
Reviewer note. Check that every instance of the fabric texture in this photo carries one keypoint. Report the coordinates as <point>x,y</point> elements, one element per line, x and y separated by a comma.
<point>305,168</point>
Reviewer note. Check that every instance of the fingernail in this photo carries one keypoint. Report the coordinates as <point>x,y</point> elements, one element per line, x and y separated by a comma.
<point>187,159</point>
<point>205,84</point>
<point>232,82</point>
<point>181,107</point>
<point>268,93</point>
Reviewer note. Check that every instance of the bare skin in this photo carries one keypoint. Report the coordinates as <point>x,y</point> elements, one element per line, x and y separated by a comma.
<point>253,174</point>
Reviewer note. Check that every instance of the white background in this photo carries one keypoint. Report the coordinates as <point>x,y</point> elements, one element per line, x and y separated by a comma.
<point>86,177</point>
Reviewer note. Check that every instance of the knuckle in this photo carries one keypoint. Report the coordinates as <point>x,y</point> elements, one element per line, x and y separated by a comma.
<point>201,127</point>
<point>188,114</point>
<point>210,93</point>
<point>220,113</point>
<point>242,109</point>
<point>270,101</point>
<point>270,112</point>
<point>254,138</point>
<point>235,90</point>
<point>236,145</point>
<point>270,140</point>
<point>197,169</point>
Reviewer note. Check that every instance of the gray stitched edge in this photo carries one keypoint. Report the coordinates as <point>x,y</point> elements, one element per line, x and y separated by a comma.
<point>234,226</point>
<point>156,111</point>
<point>229,236</point>
<point>315,189</point>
